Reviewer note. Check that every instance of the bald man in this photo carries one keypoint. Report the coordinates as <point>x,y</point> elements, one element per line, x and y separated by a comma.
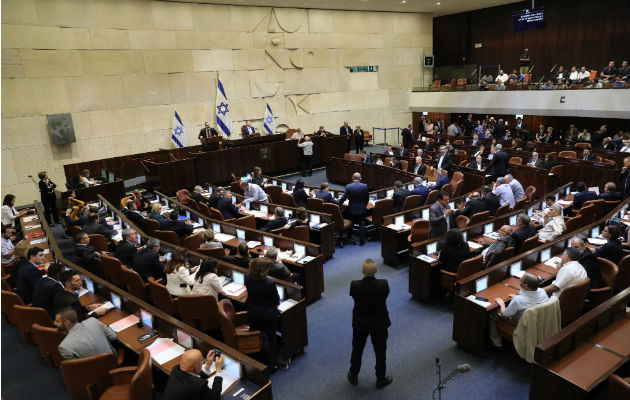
<point>189,379</point>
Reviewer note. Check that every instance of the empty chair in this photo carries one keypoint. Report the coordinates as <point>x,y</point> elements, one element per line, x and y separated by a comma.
<point>529,244</point>
<point>26,316</point>
<point>457,177</point>
<point>432,197</point>
<point>530,192</point>
<point>419,231</point>
<point>199,311</point>
<point>356,157</point>
<point>622,280</point>
<point>522,203</point>
<point>287,200</point>
<point>112,270</point>
<point>204,209</point>
<point>465,269</point>
<point>503,210</point>
<point>152,225</point>
<point>48,340</point>
<point>193,242</point>
<point>86,378</point>
<point>341,224</point>
<point>457,188</point>
<point>479,217</point>
<point>169,237</point>
<point>235,329</point>
<point>448,188</point>
<point>216,214</point>
<point>575,223</point>
<point>134,283</point>
<point>572,301</point>
<point>161,297</point>
<point>411,202</point>
<point>274,193</point>
<point>10,299</point>
<point>462,221</point>
<point>618,387</point>
<point>299,233</point>
<point>405,165</point>
<point>183,195</point>
<point>558,170</point>
<point>248,221</point>
<point>216,252</point>
<point>608,271</point>
<point>582,145</point>
<point>567,154</point>
<point>347,156</point>
<point>314,204</point>
<point>98,242</point>
<point>515,160</point>
<point>381,208</point>
<point>132,383</point>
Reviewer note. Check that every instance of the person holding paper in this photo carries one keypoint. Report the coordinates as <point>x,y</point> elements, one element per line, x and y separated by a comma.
<point>554,226</point>
<point>83,339</point>
<point>570,272</point>
<point>441,217</point>
<point>189,379</point>
<point>529,296</point>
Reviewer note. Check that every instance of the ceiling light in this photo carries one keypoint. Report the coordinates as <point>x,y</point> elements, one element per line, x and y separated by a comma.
<point>404,1</point>
<point>438,3</point>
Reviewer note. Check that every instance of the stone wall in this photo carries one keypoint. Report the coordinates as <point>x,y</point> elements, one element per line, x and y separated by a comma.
<point>121,67</point>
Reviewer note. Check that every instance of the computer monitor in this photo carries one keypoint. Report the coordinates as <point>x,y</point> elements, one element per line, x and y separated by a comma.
<point>200,221</point>
<point>264,209</point>
<point>530,211</point>
<point>232,367</point>
<point>104,174</point>
<point>157,197</point>
<point>233,199</point>
<point>146,317</point>
<point>139,239</point>
<point>399,220</point>
<point>545,255</point>
<point>216,228</point>
<point>557,196</point>
<point>567,191</point>
<point>451,204</point>
<point>247,205</point>
<point>116,300</point>
<point>280,290</point>
<point>410,186</point>
<point>267,241</point>
<point>238,277</point>
<point>120,222</point>
<point>283,185</point>
<point>425,213</point>
<point>431,248</point>
<point>299,249</point>
<point>110,176</point>
<point>488,228</point>
<point>481,284</point>
<point>595,231</point>
<point>240,233</point>
<point>465,235</point>
<point>274,182</point>
<point>187,214</point>
<point>390,192</point>
<point>210,189</point>
<point>89,285</point>
<point>315,219</point>
<point>287,214</point>
<point>515,268</point>
<point>513,220</point>
<point>184,339</point>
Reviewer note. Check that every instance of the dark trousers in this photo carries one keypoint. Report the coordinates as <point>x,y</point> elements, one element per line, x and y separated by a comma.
<point>379,343</point>
<point>307,164</point>
<point>348,143</point>
<point>266,322</point>
<point>50,211</point>
<point>359,145</point>
<point>360,220</point>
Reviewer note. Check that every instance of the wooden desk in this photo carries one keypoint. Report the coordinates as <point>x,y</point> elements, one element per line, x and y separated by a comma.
<point>112,191</point>
<point>375,176</point>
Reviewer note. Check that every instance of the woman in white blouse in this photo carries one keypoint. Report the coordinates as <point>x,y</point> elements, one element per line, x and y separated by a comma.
<point>178,278</point>
<point>206,279</point>
<point>554,225</point>
<point>84,178</point>
<point>9,213</point>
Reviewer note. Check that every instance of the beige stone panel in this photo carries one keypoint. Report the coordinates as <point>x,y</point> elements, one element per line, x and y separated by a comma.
<point>339,40</point>
<point>280,57</point>
<point>146,89</point>
<point>212,60</point>
<point>192,114</point>
<point>90,93</point>
<point>156,117</point>
<point>19,12</point>
<point>75,38</point>
<point>247,109</point>
<point>328,102</point>
<point>260,86</point>
<point>82,125</point>
<point>399,98</point>
<point>12,71</point>
<point>11,57</point>
<point>110,39</point>
<point>24,131</point>
<point>193,39</point>
<point>248,59</point>
<point>112,62</point>
<point>259,39</point>
<point>231,40</point>
<point>68,13</point>
<point>164,61</point>
<point>417,40</point>
<point>211,17</point>
<point>152,39</point>
<point>315,80</point>
<point>408,56</point>
<point>290,19</point>
<point>400,76</point>
<point>30,37</point>
<point>375,22</point>
<point>317,58</point>
<point>34,96</point>
<point>192,87</point>
<point>369,40</point>
<point>363,81</point>
<point>247,19</point>
<point>305,122</point>
<point>51,62</point>
<point>412,23</point>
<point>31,159</point>
<point>331,21</point>
<point>172,16</point>
<point>106,123</point>
<point>236,84</point>
<point>124,14</point>
<point>303,40</point>
<point>8,173</point>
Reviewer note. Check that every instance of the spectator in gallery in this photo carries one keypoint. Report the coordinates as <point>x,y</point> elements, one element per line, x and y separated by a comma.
<point>609,72</point>
<point>499,86</point>
<point>484,86</point>
<point>624,71</point>
<point>503,77</point>
<point>547,85</point>
<point>524,61</point>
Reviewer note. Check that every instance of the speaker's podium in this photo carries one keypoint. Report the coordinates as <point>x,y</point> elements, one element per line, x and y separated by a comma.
<point>212,143</point>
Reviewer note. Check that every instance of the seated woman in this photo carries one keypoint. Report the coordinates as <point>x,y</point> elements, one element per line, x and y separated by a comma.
<point>141,203</point>
<point>209,243</point>
<point>299,194</point>
<point>10,216</point>
<point>178,278</point>
<point>257,177</point>
<point>74,211</point>
<point>156,208</point>
<point>206,279</point>
<point>612,249</point>
<point>84,178</point>
<point>454,252</point>
<point>301,219</point>
<point>554,224</point>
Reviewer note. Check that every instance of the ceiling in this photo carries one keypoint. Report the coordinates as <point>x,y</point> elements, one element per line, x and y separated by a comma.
<point>436,7</point>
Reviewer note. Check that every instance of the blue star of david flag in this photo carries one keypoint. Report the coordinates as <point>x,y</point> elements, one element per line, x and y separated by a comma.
<point>224,119</point>
<point>178,136</point>
<point>269,124</point>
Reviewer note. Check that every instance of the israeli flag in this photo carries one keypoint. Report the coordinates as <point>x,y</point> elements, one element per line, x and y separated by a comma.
<point>224,119</point>
<point>269,124</point>
<point>178,137</point>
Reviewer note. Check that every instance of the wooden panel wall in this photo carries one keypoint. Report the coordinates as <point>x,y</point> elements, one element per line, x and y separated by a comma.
<point>578,32</point>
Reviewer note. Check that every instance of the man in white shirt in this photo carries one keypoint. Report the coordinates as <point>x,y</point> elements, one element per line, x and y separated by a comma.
<point>584,75</point>
<point>570,272</point>
<point>503,192</point>
<point>528,296</point>
<point>626,146</point>
<point>8,250</point>
<point>503,77</point>
<point>517,188</point>
<point>307,155</point>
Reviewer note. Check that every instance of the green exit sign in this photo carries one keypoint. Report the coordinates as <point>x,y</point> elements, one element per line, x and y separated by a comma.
<point>365,68</point>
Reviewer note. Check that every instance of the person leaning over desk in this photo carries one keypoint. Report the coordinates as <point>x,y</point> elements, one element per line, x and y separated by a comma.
<point>83,339</point>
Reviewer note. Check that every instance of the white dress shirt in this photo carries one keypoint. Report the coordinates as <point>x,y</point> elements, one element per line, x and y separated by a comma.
<point>524,300</point>
<point>8,215</point>
<point>179,281</point>
<point>571,273</point>
<point>504,78</point>
<point>552,229</point>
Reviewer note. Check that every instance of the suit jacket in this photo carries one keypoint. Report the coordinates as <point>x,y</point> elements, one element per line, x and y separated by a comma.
<point>537,164</point>
<point>247,131</point>
<point>147,263</point>
<point>346,131</point>
<point>228,209</point>
<point>370,303</point>
<point>275,223</point>
<point>203,134</point>
<point>240,261</point>
<point>358,135</point>
<point>523,126</point>
<point>326,196</point>
<point>446,162</point>
<point>407,136</point>
<point>47,190</point>
<point>125,252</point>
<point>403,152</point>
<point>610,196</point>
<point>300,197</point>
<point>590,157</point>
<point>499,131</point>
<point>96,228</point>
<point>437,220</point>
<point>499,164</point>
<point>522,234</point>
<point>476,143</point>
<point>590,264</point>
<point>198,197</point>
<point>452,256</point>
<point>423,191</point>
<point>498,248</point>
<point>28,276</point>
<point>442,180</point>
<point>66,299</point>
<point>399,198</point>
<point>184,386</point>
<point>358,197</point>
<point>420,169</point>
<point>474,165</point>
<point>85,252</point>
<point>214,199</point>
<point>396,163</point>
<point>44,294</point>
<point>611,250</point>
<point>280,271</point>
<point>492,202</point>
<point>181,228</point>
<point>367,159</point>
<point>472,207</point>
<point>581,197</point>
<point>136,218</point>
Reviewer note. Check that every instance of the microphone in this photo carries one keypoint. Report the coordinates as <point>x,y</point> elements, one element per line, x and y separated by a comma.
<point>463,368</point>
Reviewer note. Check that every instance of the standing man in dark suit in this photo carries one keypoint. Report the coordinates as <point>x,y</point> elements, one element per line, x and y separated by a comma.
<point>207,132</point>
<point>46,289</point>
<point>126,249</point>
<point>420,190</point>
<point>189,379</point>
<point>443,161</point>
<point>471,207</point>
<point>441,217</point>
<point>499,130</point>
<point>225,205</point>
<point>358,139</point>
<point>247,130</point>
<point>587,155</point>
<point>491,199</point>
<point>407,136</point>
<point>369,318</point>
<point>400,194</point>
<point>148,263</point>
<point>624,178</point>
<point>324,194</point>
<point>358,197</point>
<point>49,200</point>
<point>499,163</point>
<point>346,131</point>
<point>422,126</point>
<point>521,128</point>
<point>535,161</point>
<point>28,274</point>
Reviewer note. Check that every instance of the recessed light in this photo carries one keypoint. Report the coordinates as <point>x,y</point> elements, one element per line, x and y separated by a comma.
<point>404,1</point>
<point>438,3</point>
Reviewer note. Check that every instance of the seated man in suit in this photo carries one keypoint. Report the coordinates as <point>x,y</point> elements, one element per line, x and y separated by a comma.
<point>402,151</point>
<point>395,163</point>
<point>535,161</point>
<point>441,217</point>
<point>148,263</point>
<point>358,197</point>
<point>134,215</point>
<point>473,206</point>
<point>277,269</point>
<point>610,192</point>
<point>420,189</point>
<point>71,281</point>
<point>126,249</point>
<point>216,194</point>
<point>207,131</point>
<point>583,195</point>
<point>197,196</point>
<point>524,230</point>
<point>443,160</point>
<point>390,151</point>
<point>94,227</point>
<point>83,339</point>
<point>492,200</point>
<point>226,207</point>
<point>241,258</point>
<point>278,221</point>
<point>587,155</point>
<point>400,194</point>
<point>496,249</point>
<point>247,130</point>
<point>442,180</point>
<point>475,142</point>
<point>324,194</point>
<point>82,251</point>
<point>419,168</point>
<point>47,288</point>
<point>477,163</point>
<point>365,157</point>
<point>29,274</point>
<point>181,228</point>
<point>189,379</point>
